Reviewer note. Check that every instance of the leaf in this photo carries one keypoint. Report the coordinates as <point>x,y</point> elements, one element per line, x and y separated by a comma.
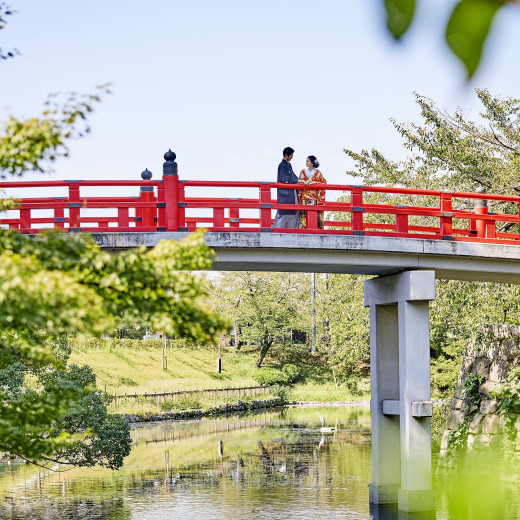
<point>399,16</point>
<point>468,28</point>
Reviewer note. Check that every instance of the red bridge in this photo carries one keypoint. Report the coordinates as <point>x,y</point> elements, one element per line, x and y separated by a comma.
<point>172,204</point>
<point>405,237</point>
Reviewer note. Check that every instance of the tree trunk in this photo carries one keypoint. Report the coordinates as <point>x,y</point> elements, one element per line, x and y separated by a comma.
<point>264,348</point>
<point>237,338</point>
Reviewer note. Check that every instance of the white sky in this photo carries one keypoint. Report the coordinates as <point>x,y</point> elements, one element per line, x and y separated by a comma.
<point>228,84</point>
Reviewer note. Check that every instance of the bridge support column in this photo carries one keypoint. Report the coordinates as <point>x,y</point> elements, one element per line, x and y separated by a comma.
<point>400,389</point>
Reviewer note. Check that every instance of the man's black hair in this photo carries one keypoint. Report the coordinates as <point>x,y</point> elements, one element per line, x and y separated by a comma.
<point>288,151</point>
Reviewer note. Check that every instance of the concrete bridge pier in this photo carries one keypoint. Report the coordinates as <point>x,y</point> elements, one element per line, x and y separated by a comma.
<point>400,389</point>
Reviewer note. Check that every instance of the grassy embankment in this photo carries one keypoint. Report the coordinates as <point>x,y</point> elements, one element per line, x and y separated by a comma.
<point>135,367</point>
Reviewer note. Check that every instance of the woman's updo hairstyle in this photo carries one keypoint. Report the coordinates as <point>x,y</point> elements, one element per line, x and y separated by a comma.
<point>313,160</point>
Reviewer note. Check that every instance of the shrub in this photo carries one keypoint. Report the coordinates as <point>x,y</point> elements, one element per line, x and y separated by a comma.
<point>292,372</point>
<point>269,376</point>
<point>280,391</point>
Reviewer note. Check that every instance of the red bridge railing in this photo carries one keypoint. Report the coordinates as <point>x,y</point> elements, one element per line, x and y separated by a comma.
<point>171,204</point>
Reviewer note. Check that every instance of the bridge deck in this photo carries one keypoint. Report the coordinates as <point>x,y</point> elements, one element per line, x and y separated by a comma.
<point>236,251</point>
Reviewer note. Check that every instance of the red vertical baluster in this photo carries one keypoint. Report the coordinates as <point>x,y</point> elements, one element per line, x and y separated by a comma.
<point>123,219</point>
<point>491,230</point>
<point>59,218</point>
<point>218,217</point>
<point>265,207</point>
<point>138,214</point>
<point>161,208</point>
<point>234,217</point>
<point>74,206</point>
<point>472,226</point>
<point>446,220</point>
<point>312,218</point>
<point>182,208</point>
<point>357,211</point>
<point>401,223</point>
<point>25,219</point>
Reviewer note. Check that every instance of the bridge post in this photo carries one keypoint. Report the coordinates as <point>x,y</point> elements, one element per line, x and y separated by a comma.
<point>146,194</point>
<point>171,191</point>
<point>481,208</point>
<point>400,389</point>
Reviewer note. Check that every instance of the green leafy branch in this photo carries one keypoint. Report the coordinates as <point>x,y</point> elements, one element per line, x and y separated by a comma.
<point>466,31</point>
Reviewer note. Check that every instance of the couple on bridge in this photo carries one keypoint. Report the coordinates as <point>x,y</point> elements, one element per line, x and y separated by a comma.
<point>294,219</point>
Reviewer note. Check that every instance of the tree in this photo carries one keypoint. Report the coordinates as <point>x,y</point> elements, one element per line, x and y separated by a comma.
<point>60,285</point>
<point>466,31</point>
<point>451,152</point>
<point>342,324</point>
<point>266,306</point>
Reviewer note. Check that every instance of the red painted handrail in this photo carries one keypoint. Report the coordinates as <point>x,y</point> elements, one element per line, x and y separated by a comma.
<point>172,204</point>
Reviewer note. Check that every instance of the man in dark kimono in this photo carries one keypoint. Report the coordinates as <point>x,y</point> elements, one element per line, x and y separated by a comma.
<point>286,218</point>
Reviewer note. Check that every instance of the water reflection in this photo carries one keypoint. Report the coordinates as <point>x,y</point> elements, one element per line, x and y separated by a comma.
<point>274,465</point>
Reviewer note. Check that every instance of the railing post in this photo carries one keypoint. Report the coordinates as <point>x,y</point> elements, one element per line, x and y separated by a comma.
<point>357,211</point>
<point>25,219</point>
<point>171,191</point>
<point>481,209</point>
<point>146,194</point>
<point>74,205</point>
<point>401,221</point>
<point>312,217</point>
<point>123,220</point>
<point>265,207</point>
<point>234,217</point>
<point>59,217</point>
<point>182,209</point>
<point>218,217</point>
<point>161,214</point>
<point>446,220</point>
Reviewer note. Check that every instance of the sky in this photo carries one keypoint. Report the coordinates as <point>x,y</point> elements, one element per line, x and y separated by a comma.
<point>227,85</point>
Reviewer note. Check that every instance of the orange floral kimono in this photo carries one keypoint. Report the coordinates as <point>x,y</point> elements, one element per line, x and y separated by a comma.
<point>311,196</point>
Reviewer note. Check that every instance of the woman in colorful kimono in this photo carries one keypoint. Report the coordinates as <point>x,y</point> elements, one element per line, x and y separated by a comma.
<point>311,175</point>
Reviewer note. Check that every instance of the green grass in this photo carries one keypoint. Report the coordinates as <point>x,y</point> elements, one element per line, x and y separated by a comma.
<point>134,367</point>
<point>327,391</point>
<point>123,369</point>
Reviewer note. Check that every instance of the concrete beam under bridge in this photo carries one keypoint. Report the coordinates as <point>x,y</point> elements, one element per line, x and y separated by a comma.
<point>382,256</point>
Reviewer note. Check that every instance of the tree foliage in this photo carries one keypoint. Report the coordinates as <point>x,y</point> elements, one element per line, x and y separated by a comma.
<point>342,324</point>
<point>264,306</point>
<point>466,31</point>
<point>454,153</point>
<point>60,285</point>
<point>32,144</point>
<point>450,151</point>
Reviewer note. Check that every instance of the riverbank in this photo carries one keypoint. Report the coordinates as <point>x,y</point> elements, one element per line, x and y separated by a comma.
<point>223,409</point>
<point>139,367</point>
<point>237,407</point>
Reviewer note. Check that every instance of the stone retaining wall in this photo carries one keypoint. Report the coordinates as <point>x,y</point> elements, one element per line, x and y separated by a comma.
<point>492,356</point>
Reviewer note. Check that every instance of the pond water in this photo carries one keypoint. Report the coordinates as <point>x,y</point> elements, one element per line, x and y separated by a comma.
<point>274,465</point>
